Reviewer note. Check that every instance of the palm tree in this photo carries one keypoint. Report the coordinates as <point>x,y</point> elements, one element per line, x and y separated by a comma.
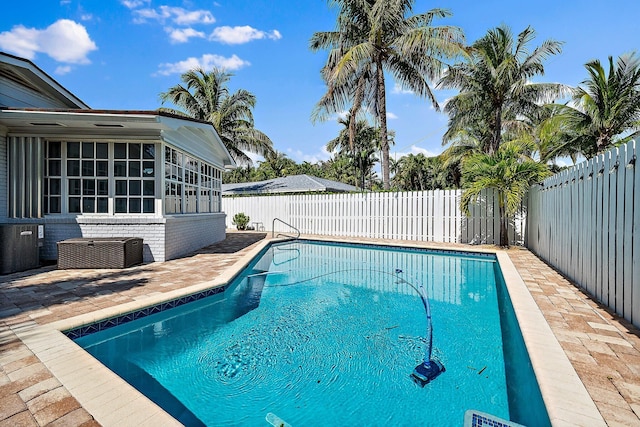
<point>276,165</point>
<point>374,36</point>
<point>239,174</point>
<point>338,168</point>
<point>419,172</point>
<point>205,96</point>
<point>495,86</point>
<point>607,106</point>
<point>462,144</point>
<point>509,171</point>
<point>359,143</point>
<point>549,132</point>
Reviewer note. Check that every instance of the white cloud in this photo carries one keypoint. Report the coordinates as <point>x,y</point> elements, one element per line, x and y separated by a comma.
<point>244,34</point>
<point>413,150</point>
<point>86,17</point>
<point>397,89</point>
<point>63,69</point>
<point>133,4</point>
<point>391,116</point>
<point>64,40</point>
<point>177,15</point>
<point>206,62</point>
<point>182,35</point>
<point>299,156</point>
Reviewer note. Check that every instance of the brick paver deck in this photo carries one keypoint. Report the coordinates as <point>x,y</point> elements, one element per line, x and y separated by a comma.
<point>604,350</point>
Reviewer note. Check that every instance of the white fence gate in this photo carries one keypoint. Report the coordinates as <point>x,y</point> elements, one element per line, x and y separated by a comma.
<point>423,215</point>
<point>585,222</point>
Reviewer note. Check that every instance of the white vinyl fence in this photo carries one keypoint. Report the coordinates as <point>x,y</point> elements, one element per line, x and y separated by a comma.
<point>424,215</point>
<point>585,222</point>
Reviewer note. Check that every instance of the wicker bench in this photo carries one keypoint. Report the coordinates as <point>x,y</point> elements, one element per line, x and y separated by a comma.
<point>103,252</point>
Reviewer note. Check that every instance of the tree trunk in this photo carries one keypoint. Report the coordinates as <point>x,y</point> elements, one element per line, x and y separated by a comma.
<point>497,131</point>
<point>353,113</point>
<point>382,117</point>
<point>504,235</point>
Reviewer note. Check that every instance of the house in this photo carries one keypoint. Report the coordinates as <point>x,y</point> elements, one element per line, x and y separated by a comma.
<point>288,184</point>
<point>105,173</point>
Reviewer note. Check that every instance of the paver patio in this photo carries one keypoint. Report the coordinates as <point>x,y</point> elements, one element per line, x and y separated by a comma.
<point>604,349</point>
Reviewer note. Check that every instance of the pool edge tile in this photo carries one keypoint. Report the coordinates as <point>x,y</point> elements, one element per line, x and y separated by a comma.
<point>112,393</point>
<point>542,345</point>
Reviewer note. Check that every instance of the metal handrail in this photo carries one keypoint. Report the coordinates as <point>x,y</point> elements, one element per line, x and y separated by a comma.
<point>273,229</point>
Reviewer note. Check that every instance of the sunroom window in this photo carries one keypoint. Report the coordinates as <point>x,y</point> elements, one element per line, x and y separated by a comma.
<point>99,177</point>
<point>191,185</point>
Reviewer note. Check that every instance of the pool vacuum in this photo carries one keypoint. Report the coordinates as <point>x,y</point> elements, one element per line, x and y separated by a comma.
<point>430,368</point>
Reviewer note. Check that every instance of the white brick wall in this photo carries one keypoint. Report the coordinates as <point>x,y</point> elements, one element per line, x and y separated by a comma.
<point>187,233</point>
<point>4,176</point>
<point>163,238</point>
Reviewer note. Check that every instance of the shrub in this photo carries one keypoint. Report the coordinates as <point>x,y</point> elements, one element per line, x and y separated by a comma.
<point>240,220</point>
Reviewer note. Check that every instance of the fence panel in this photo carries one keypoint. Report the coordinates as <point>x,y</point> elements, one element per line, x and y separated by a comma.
<point>417,215</point>
<point>585,222</point>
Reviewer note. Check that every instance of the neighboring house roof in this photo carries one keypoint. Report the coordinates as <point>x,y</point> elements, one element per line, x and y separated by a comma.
<point>26,85</point>
<point>288,184</point>
<point>193,136</point>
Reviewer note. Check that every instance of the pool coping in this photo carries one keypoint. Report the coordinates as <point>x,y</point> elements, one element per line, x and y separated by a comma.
<point>112,401</point>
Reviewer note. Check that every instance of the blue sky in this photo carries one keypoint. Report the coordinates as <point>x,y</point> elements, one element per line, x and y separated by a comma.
<point>120,54</point>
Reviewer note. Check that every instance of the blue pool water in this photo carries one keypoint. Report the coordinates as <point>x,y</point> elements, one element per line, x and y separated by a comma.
<point>328,334</point>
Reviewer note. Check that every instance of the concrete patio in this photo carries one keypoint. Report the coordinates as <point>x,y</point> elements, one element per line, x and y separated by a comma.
<point>603,349</point>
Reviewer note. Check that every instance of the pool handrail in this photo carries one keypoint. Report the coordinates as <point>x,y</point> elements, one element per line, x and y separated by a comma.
<point>273,229</point>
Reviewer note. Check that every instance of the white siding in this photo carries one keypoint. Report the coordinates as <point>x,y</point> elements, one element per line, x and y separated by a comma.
<point>13,94</point>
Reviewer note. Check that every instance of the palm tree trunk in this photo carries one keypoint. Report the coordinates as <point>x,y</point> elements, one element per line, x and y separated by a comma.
<point>382,117</point>
<point>497,131</point>
<point>353,113</point>
<point>504,235</point>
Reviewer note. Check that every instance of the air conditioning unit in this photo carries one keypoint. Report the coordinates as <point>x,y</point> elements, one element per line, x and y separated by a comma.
<point>19,247</point>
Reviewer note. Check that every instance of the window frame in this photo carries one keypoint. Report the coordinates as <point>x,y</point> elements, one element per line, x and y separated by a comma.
<point>183,176</point>
<point>74,193</point>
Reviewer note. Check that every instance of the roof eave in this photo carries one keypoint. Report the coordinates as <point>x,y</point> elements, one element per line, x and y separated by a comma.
<point>25,64</point>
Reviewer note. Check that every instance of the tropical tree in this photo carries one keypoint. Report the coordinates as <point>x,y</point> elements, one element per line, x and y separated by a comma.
<point>509,171</point>
<point>419,172</point>
<point>239,174</point>
<point>549,132</point>
<point>607,105</point>
<point>275,165</point>
<point>312,169</point>
<point>360,147</point>
<point>205,96</point>
<point>495,86</point>
<point>374,36</point>
<point>463,143</point>
<point>338,168</point>
<point>411,173</point>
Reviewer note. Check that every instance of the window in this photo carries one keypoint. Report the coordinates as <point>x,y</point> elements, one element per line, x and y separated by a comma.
<point>191,185</point>
<point>134,174</point>
<point>88,177</point>
<point>53,177</point>
<point>173,181</point>
<point>78,181</point>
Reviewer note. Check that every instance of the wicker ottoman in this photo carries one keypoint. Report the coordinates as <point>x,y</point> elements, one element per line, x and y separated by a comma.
<point>100,252</point>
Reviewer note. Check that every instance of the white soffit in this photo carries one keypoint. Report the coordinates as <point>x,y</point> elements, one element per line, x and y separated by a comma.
<point>198,139</point>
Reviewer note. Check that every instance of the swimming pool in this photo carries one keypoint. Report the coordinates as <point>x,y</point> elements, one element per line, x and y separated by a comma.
<point>327,333</point>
